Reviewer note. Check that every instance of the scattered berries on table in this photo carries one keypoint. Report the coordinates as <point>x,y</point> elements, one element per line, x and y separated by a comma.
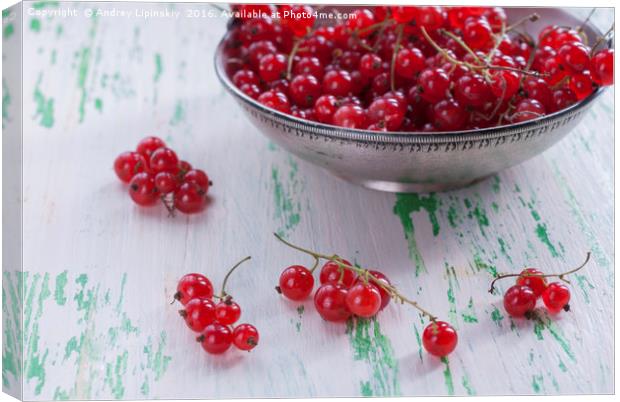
<point>347,291</point>
<point>155,173</point>
<point>213,316</point>
<point>531,284</point>
<point>467,67</point>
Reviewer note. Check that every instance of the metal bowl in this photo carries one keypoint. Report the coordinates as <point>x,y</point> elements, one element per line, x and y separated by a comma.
<point>418,162</point>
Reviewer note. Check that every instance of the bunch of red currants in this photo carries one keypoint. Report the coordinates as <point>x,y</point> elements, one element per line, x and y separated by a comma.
<point>347,291</point>
<point>411,69</point>
<point>213,318</point>
<point>154,172</point>
<point>531,284</point>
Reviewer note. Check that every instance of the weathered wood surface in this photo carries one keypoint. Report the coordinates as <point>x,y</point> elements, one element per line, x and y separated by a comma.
<point>99,272</point>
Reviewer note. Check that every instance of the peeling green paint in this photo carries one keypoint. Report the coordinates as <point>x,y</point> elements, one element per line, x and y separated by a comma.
<point>44,106</point>
<point>405,206</point>
<point>99,104</point>
<point>373,347</point>
<point>179,113</point>
<point>6,102</point>
<point>447,376</point>
<point>8,31</point>
<point>286,188</point>
<point>469,316</point>
<point>35,25</point>
<point>159,68</point>
<point>59,292</point>
<point>496,316</point>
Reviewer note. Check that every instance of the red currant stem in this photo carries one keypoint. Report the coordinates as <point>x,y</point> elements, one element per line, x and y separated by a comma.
<point>559,276</point>
<point>315,265</point>
<point>169,205</point>
<point>602,39</point>
<point>583,24</point>
<point>532,18</point>
<point>365,274</point>
<point>462,44</point>
<point>291,57</point>
<point>399,38</point>
<point>379,35</point>
<point>561,83</point>
<point>372,27</point>
<point>223,293</point>
<point>498,41</point>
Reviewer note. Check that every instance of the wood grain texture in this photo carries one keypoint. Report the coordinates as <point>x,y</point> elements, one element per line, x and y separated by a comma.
<point>99,272</point>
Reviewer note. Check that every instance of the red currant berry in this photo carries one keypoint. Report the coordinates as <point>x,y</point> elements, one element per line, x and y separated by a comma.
<point>299,18</point>
<point>386,112</point>
<point>449,115</point>
<point>496,18</point>
<point>431,18</point>
<point>531,277</point>
<point>275,100</point>
<point>199,178</point>
<point>439,338</point>
<point>363,299</point>
<point>184,167</point>
<point>581,84</point>
<point>189,198</point>
<point>434,84</point>
<point>472,90</point>
<point>403,14</point>
<point>556,297</point>
<point>245,76</point>
<point>409,62</point>
<point>350,116</point>
<point>527,109</point>
<point>309,65</point>
<point>251,90</point>
<point>166,182</point>
<point>216,339</point>
<point>272,67</point>
<point>330,302</point>
<point>575,57</point>
<point>325,107</point>
<point>519,300</point>
<point>164,160</point>
<point>245,337</point>
<point>199,313</point>
<point>371,65</point>
<point>296,282</point>
<point>149,145</point>
<point>142,189</point>
<point>227,312</point>
<point>361,19</point>
<point>304,90</point>
<point>478,34</point>
<point>257,29</point>
<point>602,67</point>
<point>256,51</point>
<point>192,286</point>
<point>128,164</point>
<point>332,272</point>
<point>504,84</point>
<point>385,296</point>
<point>563,98</point>
<point>337,82</point>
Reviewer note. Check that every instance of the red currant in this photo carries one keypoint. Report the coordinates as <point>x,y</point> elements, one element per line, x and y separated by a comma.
<point>275,100</point>
<point>563,98</point>
<point>556,297</point>
<point>149,145</point>
<point>409,62</point>
<point>602,67</point>
<point>371,65</point>
<point>199,178</point>
<point>439,338</point>
<point>272,67</point>
<point>199,313</point>
<point>325,107</point>
<point>330,302</point>
<point>478,34</point>
<point>531,277</point>
<point>189,198</point>
<point>449,115</point>
<point>227,312</point>
<point>434,84</point>
<point>309,65</point>
<point>299,18</point>
<point>575,57</point>
<point>245,76</point>
<point>128,164</point>
<point>363,299</point>
<point>581,84</point>
<point>519,300</point>
<point>350,116</point>
<point>403,14</point>
<point>216,339</point>
<point>472,90</point>
<point>431,18</point>
<point>304,90</point>
<point>296,282</point>
<point>245,337</point>
<point>385,295</point>
<point>337,82</point>
<point>332,272</point>
<point>192,286</point>
<point>387,112</point>
<point>142,189</point>
<point>527,109</point>
<point>361,19</point>
<point>164,160</point>
<point>166,182</point>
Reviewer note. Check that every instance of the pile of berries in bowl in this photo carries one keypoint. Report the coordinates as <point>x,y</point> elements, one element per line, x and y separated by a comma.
<point>411,69</point>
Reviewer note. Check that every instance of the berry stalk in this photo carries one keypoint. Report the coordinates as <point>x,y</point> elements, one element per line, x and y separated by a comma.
<point>364,273</point>
<point>559,276</point>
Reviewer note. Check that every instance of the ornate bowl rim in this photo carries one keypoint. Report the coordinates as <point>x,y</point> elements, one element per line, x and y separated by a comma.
<point>401,137</point>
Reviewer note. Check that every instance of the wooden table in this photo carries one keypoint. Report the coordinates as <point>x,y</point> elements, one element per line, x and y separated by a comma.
<point>100,272</point>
